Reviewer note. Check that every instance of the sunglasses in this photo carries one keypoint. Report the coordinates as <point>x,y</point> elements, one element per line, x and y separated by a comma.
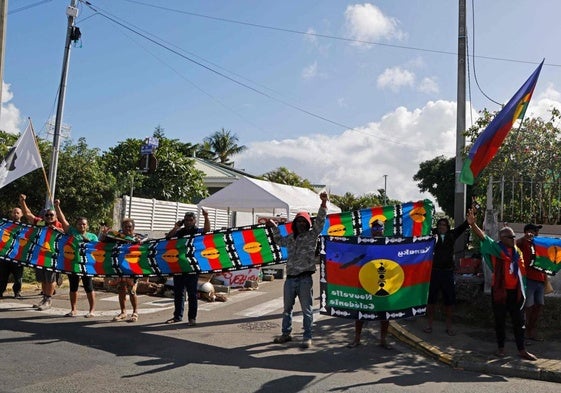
<point>49,215</point>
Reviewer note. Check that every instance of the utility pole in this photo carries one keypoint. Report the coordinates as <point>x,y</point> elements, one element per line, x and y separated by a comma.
<point>460,188</point>
<point>72,34</point>
<point>3,24</point>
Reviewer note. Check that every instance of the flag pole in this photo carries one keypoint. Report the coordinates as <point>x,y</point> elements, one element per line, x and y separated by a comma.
<point>42,166</point>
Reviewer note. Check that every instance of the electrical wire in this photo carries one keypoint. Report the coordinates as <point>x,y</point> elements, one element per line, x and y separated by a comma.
<point>157,41</point>
<point>28,7</point>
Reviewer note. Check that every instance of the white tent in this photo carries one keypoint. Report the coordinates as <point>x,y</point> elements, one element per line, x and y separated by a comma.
<point>260,196</point>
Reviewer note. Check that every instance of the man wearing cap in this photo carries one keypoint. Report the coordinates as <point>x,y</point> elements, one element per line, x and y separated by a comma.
<point>376,230</point>
<point>507,284</point>
<point>442,275</point>
<point>186,281</point>
<point>535,281</point>
<point>300,265</point>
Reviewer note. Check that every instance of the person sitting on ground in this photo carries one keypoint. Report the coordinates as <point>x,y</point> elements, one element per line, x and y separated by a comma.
<point>80,232</point>
<point>13,268</point>
<point>507,284</point>
<point>125,235</point>
<point>376,230</point>
<point>186,281</point>
<point>47,278</point>
<point>535,281</point>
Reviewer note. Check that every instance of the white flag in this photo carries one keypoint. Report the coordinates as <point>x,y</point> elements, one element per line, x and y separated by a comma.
<point>22,158</point>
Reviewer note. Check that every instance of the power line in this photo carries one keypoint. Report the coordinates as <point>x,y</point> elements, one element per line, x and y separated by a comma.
<point>28,7</point>
<point>157,41</point>
<point>332,37</point>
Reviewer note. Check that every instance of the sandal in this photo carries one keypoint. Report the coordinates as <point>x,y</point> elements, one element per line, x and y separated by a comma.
<point>134,317</point>
<point>527,356</point>
<point>89,315</point>
<point>71,314</point>
<point>451,332</point>
<point>500,353</point>
<point>121,317</point>
<point>354,344</point>
<point>428,330</point>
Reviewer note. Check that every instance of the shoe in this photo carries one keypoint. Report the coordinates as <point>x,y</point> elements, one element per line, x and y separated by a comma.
<point>282,339</point>
<point>385,345</point>
<point>17,295</point>
<point>353,344</point>
<point>121,317</point>
<point>41,302</point>
<point>527,355</point>
<point>451,332</point>
<point>46,305</point>
<point>500,353</point>
<point>427,330</point>
<point>134,317</point>
<point>192,322</point>
<point>173,320</point>
<point>89,315</point>
<point>306,343</point>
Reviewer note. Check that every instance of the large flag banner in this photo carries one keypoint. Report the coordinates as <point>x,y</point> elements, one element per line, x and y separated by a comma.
<point>222,250</point>
<point>548,254</point>
<point>22,158</point>
<point>488,143</point>
<point>375,279</point>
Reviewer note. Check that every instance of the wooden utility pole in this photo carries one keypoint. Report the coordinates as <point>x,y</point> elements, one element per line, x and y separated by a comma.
<point>3,24</point>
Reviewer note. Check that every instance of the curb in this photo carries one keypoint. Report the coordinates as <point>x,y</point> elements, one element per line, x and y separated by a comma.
<point>543,369</point>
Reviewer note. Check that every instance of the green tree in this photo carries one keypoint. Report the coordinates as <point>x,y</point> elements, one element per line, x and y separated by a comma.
<point>437,176</point>
<point>223,144</point>
<point>175,178</point>
<point>283,175</point>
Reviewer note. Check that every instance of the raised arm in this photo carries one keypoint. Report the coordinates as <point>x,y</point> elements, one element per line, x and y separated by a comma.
<point>206,226</point>
<point>470,218</point>
<point>25,210</point>
<point>60,216</point>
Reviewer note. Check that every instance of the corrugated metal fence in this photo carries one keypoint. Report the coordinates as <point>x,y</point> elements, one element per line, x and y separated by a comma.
<point>155,218</point>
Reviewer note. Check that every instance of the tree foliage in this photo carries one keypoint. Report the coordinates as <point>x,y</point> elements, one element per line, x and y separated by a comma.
<point>437,176</point>
<point>283,175</point>
<point>222,146</point>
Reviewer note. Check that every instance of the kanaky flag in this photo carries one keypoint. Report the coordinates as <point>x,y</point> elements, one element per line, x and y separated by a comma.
<point>375,279</point>
<point>23,158</point>
<point>548,254</point>
<point>487,144</point>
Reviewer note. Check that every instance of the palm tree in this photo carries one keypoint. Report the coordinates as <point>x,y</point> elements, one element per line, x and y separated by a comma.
<point>223,144</point>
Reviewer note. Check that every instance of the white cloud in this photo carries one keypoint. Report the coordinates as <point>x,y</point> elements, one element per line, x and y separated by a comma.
<point>428,85</point>
<point>310,71</point>
<point>395,78</point>
<point>366,22</point>
<point>10,115</point>
<point>356,160</point>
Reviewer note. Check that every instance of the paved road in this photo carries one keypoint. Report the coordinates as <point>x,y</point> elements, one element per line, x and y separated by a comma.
<point>230,350</point>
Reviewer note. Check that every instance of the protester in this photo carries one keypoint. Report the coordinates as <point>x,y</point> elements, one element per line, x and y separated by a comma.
<point>507,284</point>
<point>80,232</point>
<point>124,285</point>
<point>535,281</point>
<point>47,278</point>
<point>442,275</point>
<point>15,269</point>
<point>300,265</point>
<point>186,281</point>
<point>376,230</point>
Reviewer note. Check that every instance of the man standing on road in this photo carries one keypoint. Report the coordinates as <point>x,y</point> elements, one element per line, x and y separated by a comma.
<point>186,281</point>
<point>507,284</point>
<point>535,281</point>
<point>15,269</point>
<point>300,265</point>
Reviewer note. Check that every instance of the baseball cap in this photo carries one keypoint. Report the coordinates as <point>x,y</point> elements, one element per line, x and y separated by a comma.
<point>532,227</point>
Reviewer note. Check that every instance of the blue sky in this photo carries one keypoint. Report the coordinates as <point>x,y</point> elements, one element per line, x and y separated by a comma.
<point>325,104</point>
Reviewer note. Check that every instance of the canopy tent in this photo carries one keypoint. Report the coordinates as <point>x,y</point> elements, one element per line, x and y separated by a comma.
<point>260,196</point>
